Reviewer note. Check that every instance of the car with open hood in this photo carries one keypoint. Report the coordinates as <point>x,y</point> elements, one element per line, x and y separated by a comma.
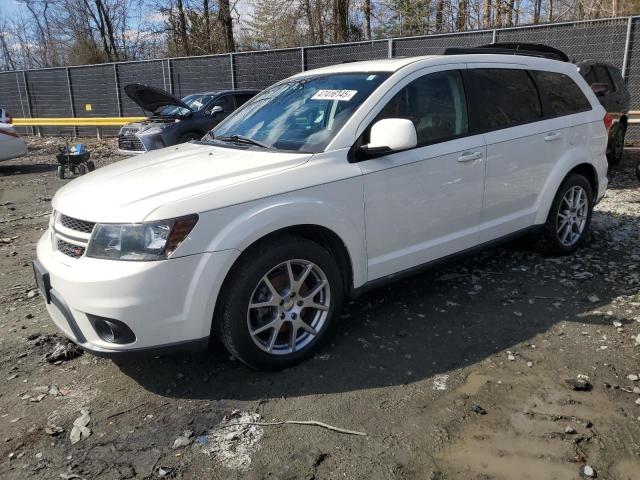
<point>173,120</point>
<point>328,183</point>
<point>12,145</point>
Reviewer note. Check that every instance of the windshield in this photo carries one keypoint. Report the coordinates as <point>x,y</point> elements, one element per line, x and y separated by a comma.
<point>195,102</point>
<point>302,114</point>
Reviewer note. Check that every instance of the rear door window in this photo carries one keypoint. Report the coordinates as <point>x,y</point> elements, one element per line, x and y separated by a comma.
<point>590,76</point>
<point>603,76</point>
<point>242,98</point>
<point>436,105</point>
<point>504,98</point>
<point>560,93</point>
<point>226,103</point>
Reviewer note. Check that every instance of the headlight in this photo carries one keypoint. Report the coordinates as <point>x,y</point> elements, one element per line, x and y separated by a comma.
<point>139,241</point>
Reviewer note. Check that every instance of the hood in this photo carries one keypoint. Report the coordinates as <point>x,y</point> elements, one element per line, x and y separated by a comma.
<point>130,190</point>
<point>151,98</point>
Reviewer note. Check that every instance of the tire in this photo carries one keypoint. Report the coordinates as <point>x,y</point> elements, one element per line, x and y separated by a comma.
<point>187,137</point>
<point>91,166</point>
<point>82,169</point>
<point>558,238</point>
<point>60,172</point>
<point>301,328</point>
<point>616,145</point>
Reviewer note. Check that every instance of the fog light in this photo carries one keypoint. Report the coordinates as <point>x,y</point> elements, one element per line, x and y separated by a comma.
<point>111,331</point>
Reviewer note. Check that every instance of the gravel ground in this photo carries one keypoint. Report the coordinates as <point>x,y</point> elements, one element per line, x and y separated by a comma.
<point>458,373</point>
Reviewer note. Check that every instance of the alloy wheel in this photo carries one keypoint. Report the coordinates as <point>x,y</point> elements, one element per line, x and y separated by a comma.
<point>289,307</point>
<point>572,216</point>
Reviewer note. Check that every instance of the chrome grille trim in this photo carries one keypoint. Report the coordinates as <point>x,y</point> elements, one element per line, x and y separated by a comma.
<point>71,235</point>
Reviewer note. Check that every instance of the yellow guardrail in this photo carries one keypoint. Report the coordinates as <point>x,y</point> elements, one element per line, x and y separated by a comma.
<point>76,122</point>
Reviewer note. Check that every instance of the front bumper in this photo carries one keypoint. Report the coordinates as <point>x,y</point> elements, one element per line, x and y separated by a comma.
<point>167,304</point>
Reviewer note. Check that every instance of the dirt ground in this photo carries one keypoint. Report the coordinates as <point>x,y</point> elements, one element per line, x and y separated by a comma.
<point>458,373</point>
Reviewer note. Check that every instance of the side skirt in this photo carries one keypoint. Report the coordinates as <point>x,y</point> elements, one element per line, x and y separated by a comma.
<point>439,262</point>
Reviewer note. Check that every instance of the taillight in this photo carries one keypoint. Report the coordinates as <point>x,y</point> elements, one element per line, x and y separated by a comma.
<point>608,121</point>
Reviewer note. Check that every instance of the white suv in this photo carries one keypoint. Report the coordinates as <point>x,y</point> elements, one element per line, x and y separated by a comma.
<point>325,184</point>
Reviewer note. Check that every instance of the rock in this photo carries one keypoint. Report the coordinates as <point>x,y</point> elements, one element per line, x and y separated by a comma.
<point>637,401</point>
<point>475,408</point>
<point>530,364</point>
<point>32,293</point>
<point>63,351</point>
<point>633,377</point>
<point>164,471</point>
<point>578,384</point>
<point>511,357</point>
<point>183,440</point>
<point>79,433</point>
<point>636,390</point>
<point>54,391</point>
<point>593,298</point>
<point>83,420</point>
<point>569,430</point>
<point>617,323</point>
<point>53,430</point>
<point>588,472</point>
<point>80,430</point>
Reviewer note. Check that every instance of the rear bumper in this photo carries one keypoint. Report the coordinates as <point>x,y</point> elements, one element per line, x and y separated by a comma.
<point>168,304</point>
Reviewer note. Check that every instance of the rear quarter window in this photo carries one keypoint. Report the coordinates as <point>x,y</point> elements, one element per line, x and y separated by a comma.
<point>561,95</point>
<point>504,98</point>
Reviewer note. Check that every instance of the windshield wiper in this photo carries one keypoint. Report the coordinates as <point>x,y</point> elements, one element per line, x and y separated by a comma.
<point>243,139</point>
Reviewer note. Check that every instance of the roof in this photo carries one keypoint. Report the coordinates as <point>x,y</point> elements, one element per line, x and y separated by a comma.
<point>395,64</point>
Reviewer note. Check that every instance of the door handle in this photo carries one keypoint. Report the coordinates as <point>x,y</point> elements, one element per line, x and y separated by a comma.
<point>552,136</point>
<point>469,156</point>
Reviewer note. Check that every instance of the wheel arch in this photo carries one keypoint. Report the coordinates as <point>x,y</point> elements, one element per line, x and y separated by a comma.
<point>564,168</point>
<point>319,234</point>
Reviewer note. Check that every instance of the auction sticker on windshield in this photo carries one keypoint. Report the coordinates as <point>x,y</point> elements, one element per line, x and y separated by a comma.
<point>343,95</point>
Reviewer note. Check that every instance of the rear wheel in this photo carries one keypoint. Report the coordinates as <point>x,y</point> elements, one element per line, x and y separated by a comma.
<point>569,217</point>
<point>616,144</point>
<point>279,303</point>
<point>82,169</point>
<point>91,166</point>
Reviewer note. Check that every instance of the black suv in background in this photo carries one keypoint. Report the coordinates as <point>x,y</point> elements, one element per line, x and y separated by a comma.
<point>607,83</point>
<point>174,120</point>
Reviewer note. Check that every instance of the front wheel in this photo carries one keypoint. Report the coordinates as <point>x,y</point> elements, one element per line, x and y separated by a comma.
<point>279,303</point>
<point>569,217</point>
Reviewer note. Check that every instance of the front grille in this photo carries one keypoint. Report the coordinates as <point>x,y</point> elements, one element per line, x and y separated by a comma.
<point>76,224</point>
<point>69,249</point>
<point>127,140</point>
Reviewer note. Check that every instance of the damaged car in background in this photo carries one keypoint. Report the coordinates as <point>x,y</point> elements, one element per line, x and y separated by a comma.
<point>174,120</point>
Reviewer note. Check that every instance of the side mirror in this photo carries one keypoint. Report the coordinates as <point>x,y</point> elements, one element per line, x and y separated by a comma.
<point>215,110</point>
<point>390,135</point>
<point>600,89</point>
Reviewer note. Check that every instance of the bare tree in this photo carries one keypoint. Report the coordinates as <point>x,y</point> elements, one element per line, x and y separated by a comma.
<point>226,22</point>
<point>367,18</point>
<point>340,20</point>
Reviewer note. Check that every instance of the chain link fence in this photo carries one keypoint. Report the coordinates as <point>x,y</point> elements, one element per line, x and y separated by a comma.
<point>68,92</point>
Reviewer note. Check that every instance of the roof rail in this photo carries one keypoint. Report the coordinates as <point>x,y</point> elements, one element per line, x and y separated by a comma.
<point>527,49</point>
